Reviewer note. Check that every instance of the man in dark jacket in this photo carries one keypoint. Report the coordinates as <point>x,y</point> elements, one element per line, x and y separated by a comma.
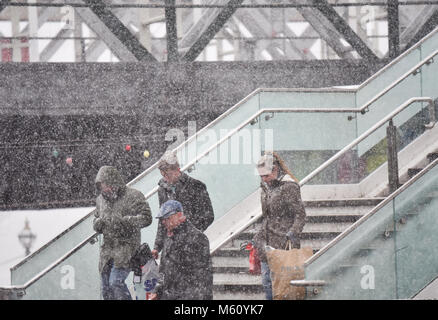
<point>121,212</point>
<point>191,193</point>
<point>185,264</point>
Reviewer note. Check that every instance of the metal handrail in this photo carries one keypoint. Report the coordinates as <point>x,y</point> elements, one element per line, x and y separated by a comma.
<point>358,140</point>
<point>21,288</point>
<point>349,146</point>
<point>371,213</point>
<point>184,168</point>
<point>363,84</point>
<point>187,166</point>
<point>155,189</point>
<point>362,109</point>
<point>400,57</point>
<point>249,120</point>
<point>370,131</point>
<point>229,135</point>
<point>308,283</point>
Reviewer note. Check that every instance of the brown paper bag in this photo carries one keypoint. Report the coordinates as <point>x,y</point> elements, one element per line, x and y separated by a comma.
<point>287,265</point>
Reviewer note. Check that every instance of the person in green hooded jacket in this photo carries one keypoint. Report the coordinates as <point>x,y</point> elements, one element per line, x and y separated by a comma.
<point>121,212</point>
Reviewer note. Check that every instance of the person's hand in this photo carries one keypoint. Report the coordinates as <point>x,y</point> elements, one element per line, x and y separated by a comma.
<point>99,224</point>
<point>155,254</point>
<point>153,296</point>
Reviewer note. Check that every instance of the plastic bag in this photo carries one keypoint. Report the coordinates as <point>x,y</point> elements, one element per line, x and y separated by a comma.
<point>150,276</point>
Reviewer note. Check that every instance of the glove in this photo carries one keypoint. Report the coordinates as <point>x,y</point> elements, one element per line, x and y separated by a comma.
<point>99,224</point>
<point>158,290</point>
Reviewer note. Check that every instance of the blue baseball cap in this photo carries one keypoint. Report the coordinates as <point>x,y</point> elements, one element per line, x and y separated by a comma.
<point>169,208</point>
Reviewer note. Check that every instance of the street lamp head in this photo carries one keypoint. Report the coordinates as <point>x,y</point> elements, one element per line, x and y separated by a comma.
<point>26,237</point>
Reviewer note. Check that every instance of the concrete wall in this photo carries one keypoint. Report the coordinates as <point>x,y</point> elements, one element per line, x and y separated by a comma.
<point>52,88</point>
<point>90,110</point>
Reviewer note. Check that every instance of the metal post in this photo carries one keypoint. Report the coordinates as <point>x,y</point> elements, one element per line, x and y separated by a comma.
<point>32,13</point>
<point>171,31</point>
<point>391,134</point>
<point>145,15</point>
<point>393,29</point>
<point>16,47</point>
<point>78,43</point>
<point>344,29</point>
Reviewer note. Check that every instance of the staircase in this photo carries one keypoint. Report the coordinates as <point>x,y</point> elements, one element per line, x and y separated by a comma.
<point>412,75</point>
<point>429,159</point>
<point>325,220</point>
<point>391,249</point>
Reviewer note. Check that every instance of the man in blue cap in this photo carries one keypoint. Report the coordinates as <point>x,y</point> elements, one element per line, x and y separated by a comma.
<point>185,265</point>
<point>190,192</point>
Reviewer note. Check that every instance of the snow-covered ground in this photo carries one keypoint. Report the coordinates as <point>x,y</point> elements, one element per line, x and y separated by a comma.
<point>45,224</point>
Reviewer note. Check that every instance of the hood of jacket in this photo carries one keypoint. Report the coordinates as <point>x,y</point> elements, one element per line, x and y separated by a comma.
<point>111,177</point>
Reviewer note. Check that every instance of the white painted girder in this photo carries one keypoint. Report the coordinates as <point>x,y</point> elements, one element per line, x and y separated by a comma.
<point>416,24</point>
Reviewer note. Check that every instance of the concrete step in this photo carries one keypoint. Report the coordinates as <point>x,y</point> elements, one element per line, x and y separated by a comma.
<point>325,220</point>
<point>315,235</point>
<point>432,156</point>
<point>335,212</point>
<point>326,227</point>
<point>333,218</point>
<point>306,234</point>
<point>413,171</point>
<point>319,235</point>
<point>315,244</point>
<point>356,202</point>
<point>231,252</point>
<point>236,279</point>
<point>223,261</point>
<point>231,269</point>
<point>235,252</point>
<point>383,241</point>
<point>232,285</point>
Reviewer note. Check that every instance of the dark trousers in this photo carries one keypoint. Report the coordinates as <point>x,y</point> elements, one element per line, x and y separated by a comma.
<point>266,280</point>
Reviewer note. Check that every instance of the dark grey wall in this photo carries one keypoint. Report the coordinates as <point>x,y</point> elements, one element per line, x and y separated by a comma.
<point>53,88</point>
<point>161,95</point>
<point>90,111</point>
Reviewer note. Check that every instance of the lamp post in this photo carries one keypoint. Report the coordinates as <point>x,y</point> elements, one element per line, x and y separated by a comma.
<point>26,237</point>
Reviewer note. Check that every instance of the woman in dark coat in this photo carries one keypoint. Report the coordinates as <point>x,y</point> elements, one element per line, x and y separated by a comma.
<point>283,211</point>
